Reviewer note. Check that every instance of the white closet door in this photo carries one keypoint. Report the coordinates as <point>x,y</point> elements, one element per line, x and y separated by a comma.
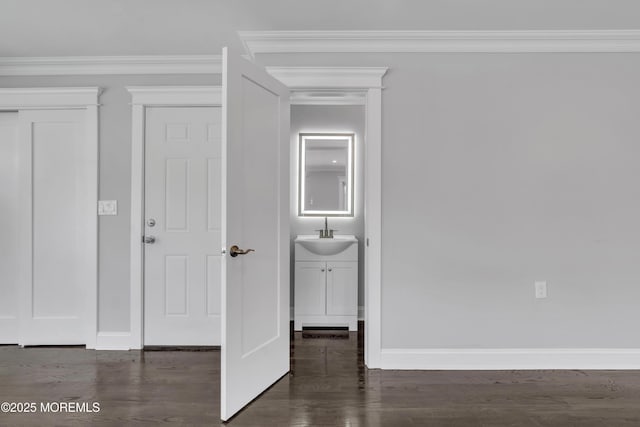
<point>10,238</point>
<point>53,295</point>
<point>183,208</point>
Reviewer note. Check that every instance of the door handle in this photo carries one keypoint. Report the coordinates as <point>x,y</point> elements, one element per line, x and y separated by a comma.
<point>234,251</point>
<point>149,239</point>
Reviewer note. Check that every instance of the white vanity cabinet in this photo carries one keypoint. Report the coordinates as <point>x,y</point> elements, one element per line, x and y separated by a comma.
<point>326,288</point>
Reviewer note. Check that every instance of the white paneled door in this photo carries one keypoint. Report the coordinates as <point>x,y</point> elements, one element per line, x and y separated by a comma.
<point>10,216</point>
<point>182,270</point>
<point>255,307</point>
<point>52,231</point>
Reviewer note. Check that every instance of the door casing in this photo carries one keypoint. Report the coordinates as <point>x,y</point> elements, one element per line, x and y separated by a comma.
<point>142,98</point>
<point>354,86</point>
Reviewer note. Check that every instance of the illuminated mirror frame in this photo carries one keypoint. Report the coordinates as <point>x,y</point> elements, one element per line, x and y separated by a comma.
<point>302,137</point>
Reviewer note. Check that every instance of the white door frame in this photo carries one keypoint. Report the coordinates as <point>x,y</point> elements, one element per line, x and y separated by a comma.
<point>355,85</point>
<point>82,98</point>
<point>143,97</point>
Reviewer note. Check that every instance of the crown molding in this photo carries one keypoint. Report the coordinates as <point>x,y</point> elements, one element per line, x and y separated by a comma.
<point>329,77</point>
<point>568,41</point>
<point>92,65</point>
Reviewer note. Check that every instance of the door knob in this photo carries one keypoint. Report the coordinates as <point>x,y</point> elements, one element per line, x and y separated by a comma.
<point>149,239</point>
<point>234,251</point>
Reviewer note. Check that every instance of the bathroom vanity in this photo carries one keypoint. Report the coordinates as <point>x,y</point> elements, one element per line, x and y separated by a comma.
<point>326,282</point>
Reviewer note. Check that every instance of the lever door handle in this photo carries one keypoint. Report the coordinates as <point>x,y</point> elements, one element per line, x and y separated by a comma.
<point>149,239</point>
<point>234,251</point>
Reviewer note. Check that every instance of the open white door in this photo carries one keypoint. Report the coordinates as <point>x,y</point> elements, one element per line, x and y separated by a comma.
<point>255,286</point>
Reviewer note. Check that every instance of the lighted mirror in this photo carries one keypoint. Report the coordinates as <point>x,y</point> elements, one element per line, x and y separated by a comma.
<point>326,174</point>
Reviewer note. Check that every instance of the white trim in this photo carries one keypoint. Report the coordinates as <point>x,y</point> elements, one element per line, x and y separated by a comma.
<point>92,65</point>
<point>327,98</point>
<point>510,358</point>
<point>175,95</point>
<point>141,98</point>
<point>48,97</point>
<point>113,341</point>
<point>373,228</point>
<point>565,41</point>
<point>90,188</point>
<point>333,78</point>
<point>85,98</point>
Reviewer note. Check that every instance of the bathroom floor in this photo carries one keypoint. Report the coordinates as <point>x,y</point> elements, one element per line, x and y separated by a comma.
<point>328,386</point>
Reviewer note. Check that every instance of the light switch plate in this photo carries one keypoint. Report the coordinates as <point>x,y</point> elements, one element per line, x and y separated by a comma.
<point>107,207</point>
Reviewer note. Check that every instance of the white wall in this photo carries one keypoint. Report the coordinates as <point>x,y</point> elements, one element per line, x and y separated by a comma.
<point>499,170</point>
<point>114,179</point>
<point>327,119</point>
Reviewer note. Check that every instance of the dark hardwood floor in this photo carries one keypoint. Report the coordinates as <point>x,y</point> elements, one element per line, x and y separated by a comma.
<point>328,386</point>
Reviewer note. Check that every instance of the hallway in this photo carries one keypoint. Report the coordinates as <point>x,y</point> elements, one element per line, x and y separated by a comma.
<point>328,386</point>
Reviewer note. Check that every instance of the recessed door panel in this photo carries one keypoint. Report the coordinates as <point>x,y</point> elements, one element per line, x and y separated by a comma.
<point>51,149</point>
<point>176,278</point>
<point>176,202</point>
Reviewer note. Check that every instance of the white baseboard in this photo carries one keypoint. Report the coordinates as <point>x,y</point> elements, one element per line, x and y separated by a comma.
<point>507,359</point>
<point>113,341</point>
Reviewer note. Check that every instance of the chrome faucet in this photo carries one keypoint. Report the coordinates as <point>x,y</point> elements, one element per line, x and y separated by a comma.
<point>326,233</point>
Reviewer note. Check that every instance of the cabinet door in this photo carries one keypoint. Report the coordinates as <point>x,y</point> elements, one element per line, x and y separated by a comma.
<point>310,292</point>
<point>342,288</point>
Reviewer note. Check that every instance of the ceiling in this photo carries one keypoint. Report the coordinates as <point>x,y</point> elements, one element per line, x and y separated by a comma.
<point>186,27</point>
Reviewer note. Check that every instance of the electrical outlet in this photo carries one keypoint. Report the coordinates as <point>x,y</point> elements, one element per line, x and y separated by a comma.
<point>107,207</point>
<point>541,289</point>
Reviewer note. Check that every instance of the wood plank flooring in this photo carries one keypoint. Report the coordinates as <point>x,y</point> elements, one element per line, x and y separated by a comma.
<point>328,386</point>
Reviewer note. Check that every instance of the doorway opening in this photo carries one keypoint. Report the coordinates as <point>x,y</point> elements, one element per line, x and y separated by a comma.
<point>327,228</point>
<point>360,86</point>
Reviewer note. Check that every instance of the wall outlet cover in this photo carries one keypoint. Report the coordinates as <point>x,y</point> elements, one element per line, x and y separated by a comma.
<point>541,289</point>
<point>107,207</point>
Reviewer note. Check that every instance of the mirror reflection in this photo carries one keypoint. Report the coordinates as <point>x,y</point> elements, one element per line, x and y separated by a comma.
<point>326,174</point>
